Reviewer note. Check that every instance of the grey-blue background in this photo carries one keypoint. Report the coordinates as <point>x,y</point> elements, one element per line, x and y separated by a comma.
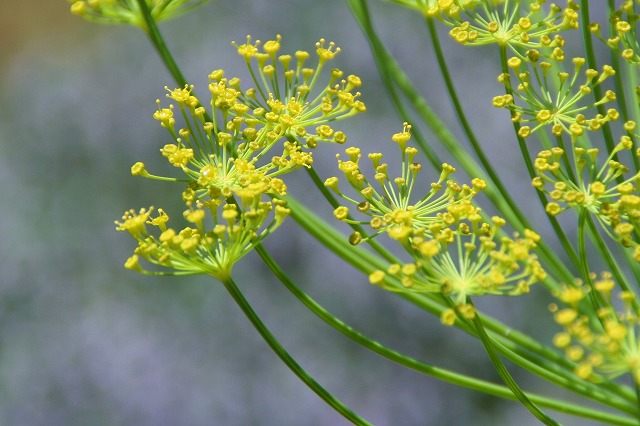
<point>84,342</point>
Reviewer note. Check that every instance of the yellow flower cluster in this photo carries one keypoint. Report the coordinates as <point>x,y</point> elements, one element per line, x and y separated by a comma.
<point>203,248</point>
<point>479,22</point>
<point>455,252</point>
<point>625,40</point>
<point>555,100</point>
<point>128,11</point>
<point>237,151</point>
<point>602,344</point>
<point>389,203</point>
<point>467,258</point>
<point>604,191</point>
<point>288,99</point>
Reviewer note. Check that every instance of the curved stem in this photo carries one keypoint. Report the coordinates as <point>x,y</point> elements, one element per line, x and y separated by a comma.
<point>433,371</point>
<point>239,298</point>
<point>516,346</point>
<point>159,44</point>
<point>506,377</point>
<point>566,244</point>
<point>591,61</point>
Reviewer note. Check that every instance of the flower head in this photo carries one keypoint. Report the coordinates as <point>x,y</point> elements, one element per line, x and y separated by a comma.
<point>603,344</point>
<point>537,104</point>
<point>253,136</point>
<point>389,202</point>
<point>217,238</point>
<point>468,258</point>
<point>601,189</point>
<point>289,97</point>
<point>479,22</point>
<point>128,11</point>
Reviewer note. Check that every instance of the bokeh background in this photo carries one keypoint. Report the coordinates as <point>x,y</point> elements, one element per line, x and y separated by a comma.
<point>85,342</point>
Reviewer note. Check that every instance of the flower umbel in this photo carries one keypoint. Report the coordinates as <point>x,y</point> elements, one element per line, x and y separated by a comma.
<point>577,181</point>
<point>561,109</point>
<point>390,204</point>
<point>231,148</point>
<point>128,11</point>
<point>467,258</point>
<point>604,344</point>
<point>289,98</point>
<point>504,22</point>
<point>201,248</point>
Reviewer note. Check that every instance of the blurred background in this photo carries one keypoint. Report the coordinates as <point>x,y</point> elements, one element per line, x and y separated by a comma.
<point>85,342</point>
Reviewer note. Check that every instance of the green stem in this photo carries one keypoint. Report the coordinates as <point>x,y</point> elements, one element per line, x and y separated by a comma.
<point>436,372</point>
<point>286,358</point>
<point>591,61</point>
<point>466,127</point>
<point>506,377</point>
<point>524,150</point>
<point>519,348</point>
<point>595,297</point>
<point>159,44</point>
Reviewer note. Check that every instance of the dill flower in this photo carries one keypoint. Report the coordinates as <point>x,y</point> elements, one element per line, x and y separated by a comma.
<point>480,22</point>
<point>603,190</point>
<point>602,344</point>
<point>536,103</point>
<point>465,259</point>
<point>219,237</point>
<point>390,204</point>
<point>128,11</point>
<point>290,97</point>
<point>624,40</point>
<point>254,136</point>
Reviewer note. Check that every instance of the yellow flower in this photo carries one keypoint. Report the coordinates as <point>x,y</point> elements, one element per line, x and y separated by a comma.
<point>213,247</point>
<point>128,11</point>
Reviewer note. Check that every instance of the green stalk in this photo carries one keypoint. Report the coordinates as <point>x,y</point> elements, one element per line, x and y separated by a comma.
<point>286,358</point>
<point>159,44</point>
<point>522,221</point>
<point>554,367</point>
<point>506,377</point>
<point>594,296</point>
<point>564,240</point>
<point>591,61</point>
<point>436,372</point>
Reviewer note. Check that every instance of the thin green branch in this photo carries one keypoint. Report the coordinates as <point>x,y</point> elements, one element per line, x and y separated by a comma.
<point>506,376</point>
<point>436,372</point>
<point>286,358</point>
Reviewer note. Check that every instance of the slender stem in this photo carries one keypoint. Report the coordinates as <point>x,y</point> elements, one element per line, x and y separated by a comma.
<point>591,61</point>
<point>524,150</point>
<point>286,358</point>
<point>477,148</point>
<point>436,372</point>
<point>360,10</point>
<point>159,44</point>
<point>506,377</point>
<point>518,347</point>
